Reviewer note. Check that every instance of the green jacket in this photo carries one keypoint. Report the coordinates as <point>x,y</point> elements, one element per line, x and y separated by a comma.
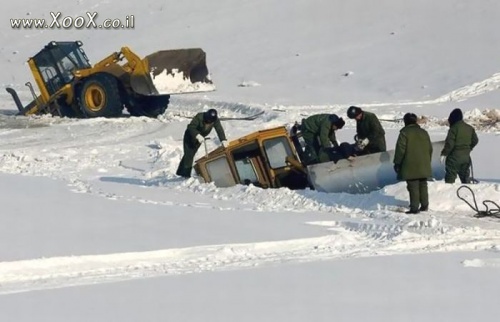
<point>321,126</point>
<point>413,153</point>
<point>369,127</point>
<point>197,126</point>
<point>461,138</point>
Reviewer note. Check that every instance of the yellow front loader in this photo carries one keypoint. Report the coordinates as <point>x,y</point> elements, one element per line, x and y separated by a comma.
<point>71,87</point>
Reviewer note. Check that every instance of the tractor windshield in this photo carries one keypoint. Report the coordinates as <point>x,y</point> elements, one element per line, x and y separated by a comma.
<point>277,150</point>
<point>57,61</point>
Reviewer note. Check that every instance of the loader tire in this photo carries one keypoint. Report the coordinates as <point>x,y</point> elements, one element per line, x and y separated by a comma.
<point>66,110</point>
<point>150,106</point>
<point>99,96</point>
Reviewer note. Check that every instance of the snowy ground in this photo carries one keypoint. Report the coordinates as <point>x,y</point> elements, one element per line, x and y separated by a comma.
<point>95,226</point>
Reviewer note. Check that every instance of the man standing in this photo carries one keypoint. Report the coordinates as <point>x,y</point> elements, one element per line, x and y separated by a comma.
<point>369,131</point>
<point>200,126</point>
<point>460,141</point>
<point>318,132</point>
<point>412,162</point>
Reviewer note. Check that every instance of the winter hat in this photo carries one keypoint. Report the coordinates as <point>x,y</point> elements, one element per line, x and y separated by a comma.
<point>455,116</point>
<point>353,111</point>
<point>410,118</point>
<point>333,118</point>
<point>210,116</point>
<point>339,123</point>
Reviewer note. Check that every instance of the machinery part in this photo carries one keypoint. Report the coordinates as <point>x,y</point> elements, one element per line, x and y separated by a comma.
<point>365,173</point>
<point>32,91</point>
<point>23,110</point>
<point>150,106</point>
<point>16,99</point>
<point>205,144</point>
<point>98,96</point>
<point>472,179</point>
<point>243,118</point>
<point>66,110</point>
<point>296,164</point>
<point>173,72</point>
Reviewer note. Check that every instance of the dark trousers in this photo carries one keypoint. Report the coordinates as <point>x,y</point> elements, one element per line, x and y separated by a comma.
<point>419,195</point>
<point>458,164</point>
<point>190,149</point>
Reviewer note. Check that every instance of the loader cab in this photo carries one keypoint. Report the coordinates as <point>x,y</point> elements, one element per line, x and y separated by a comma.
<point>53,66</point>
<point>266,159</point>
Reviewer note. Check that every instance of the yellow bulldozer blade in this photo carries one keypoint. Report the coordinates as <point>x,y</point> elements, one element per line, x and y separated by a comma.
<point>173,72</point>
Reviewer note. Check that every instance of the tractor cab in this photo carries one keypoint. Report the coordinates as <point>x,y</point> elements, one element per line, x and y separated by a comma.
<point>266,159</point>
<point>56,62</point>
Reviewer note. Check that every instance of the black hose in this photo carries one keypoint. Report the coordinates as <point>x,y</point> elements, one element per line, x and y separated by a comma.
<point>488,212</point>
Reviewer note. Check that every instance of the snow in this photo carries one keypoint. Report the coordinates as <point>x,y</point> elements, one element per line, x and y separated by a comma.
<point>95,226</point>
<point>174,82</point>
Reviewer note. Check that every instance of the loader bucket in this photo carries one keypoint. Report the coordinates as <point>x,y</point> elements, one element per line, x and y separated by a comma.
<point>173,72</point>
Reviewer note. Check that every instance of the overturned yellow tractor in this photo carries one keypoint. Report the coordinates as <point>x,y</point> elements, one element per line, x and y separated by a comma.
<point>71,87</point>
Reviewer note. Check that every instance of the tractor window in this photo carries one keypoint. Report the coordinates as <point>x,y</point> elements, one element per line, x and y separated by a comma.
<point>220,172</point>
<point>68,60</point>
<point>57,62</point>
<point>66,67</point>
<point>46,66</point>
<point>48,71</point>
<point>277,150</point>
<point>70,56</point>
<point>246,171</point>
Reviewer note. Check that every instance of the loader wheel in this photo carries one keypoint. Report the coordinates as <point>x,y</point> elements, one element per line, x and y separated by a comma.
<point>150,106</point>
<point>66,110</point>
<point>99,96</point>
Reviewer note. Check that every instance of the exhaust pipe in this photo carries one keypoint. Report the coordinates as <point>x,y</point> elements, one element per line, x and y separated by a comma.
<point>23,110</point>
<point>19,105</point>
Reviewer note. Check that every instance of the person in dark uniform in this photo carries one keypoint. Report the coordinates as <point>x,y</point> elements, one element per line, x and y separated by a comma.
<point>412,162</point>
<point>318,132</point>
<point>370,134</point>
<point>459,143</point>
<point>199,127</point>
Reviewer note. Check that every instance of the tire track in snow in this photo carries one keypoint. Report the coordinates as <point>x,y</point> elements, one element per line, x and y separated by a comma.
<point>59,272</point>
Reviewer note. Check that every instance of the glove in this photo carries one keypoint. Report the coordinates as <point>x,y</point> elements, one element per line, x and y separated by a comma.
<point>200,138</point>
<point>362,143</point>
<point>225,144</point>
<point>443,159</point>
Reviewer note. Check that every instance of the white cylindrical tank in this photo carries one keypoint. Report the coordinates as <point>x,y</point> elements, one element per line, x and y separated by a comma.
<point>366,173</point>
